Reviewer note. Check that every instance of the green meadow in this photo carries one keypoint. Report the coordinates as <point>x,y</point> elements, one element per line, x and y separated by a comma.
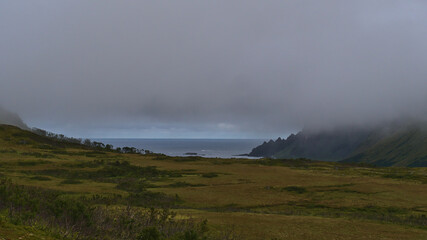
<point>57,190</point>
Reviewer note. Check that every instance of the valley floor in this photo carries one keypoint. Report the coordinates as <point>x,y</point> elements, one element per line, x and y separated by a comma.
<point>240,198</point>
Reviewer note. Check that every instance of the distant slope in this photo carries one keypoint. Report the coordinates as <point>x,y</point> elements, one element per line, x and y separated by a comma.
<point>390,145</point>
<point>406,147</point>
<point>12,136</point>
<point>328,145</point>
<point>10,118</point>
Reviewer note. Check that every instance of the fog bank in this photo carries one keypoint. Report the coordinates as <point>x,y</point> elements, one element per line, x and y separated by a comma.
<point>212,68</point>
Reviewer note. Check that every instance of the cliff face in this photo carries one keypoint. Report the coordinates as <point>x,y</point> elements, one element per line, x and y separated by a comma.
<point>10,118</point>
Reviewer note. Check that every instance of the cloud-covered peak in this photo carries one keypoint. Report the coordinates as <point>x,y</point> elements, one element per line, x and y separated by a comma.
<point>10,118</point>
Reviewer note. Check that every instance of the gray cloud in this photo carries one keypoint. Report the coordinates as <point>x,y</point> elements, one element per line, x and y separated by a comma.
<point>10,118</point>
<point>211,68</point>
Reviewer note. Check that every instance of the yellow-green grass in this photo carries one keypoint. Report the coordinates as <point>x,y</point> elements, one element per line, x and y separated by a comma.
<point>275,226</point>
<point>11,231</point>
<point>261,199</point>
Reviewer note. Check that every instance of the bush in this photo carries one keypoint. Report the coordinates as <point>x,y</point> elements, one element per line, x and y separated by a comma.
<point>41,178</point>
<point>133,185</point>
<point>209,175</point>
<point>295,189</point>
<point>184,184</point>
<point>74,218</point>
<point>71,181</point>
<point>150,233</point>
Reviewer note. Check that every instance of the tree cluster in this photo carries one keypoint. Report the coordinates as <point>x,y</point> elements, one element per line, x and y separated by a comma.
<point>88,143</point>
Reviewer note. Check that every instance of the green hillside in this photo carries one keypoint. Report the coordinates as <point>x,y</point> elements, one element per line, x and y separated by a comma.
<point>330,145</point>
<point>326,146</point>
<point>406,147</point>
<point>388,145</point>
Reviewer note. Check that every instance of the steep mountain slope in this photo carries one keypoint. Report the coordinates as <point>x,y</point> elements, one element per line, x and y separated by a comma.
<point>388,145</point>
<point>406,147</point>
<point>330,146</point>
<point>327,145</point>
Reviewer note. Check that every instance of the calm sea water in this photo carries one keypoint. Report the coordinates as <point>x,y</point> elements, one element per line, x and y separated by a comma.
<point>221,148</point>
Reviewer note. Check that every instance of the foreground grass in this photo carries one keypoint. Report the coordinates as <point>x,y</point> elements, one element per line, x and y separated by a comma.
<point>240,198</point>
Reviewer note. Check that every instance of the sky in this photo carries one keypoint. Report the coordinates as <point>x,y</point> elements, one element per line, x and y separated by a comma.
<point>211,69</point>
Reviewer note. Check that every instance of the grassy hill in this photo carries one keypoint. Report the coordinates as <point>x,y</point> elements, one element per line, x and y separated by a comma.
<point>57,190</point>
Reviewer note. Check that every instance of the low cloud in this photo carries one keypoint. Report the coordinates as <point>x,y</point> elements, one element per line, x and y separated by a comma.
<point>230,68</point>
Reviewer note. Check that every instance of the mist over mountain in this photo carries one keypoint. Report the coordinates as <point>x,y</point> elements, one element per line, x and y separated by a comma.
<point>405,147</point>
<point>330,145</point>
<point>392,144</point>
<point>212,69</point>
<point>10,118</point>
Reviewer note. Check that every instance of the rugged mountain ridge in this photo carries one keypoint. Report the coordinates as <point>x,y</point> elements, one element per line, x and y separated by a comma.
<point>388,145</point>
<point>330,145</point>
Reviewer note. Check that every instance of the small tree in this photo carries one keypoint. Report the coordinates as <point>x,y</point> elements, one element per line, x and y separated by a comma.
<point>87,142</point>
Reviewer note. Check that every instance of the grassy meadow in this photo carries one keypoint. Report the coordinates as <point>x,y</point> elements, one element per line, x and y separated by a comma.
<point>239,198</point>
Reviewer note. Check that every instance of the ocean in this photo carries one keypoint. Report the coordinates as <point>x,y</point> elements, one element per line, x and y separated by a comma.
<point>219,148</point>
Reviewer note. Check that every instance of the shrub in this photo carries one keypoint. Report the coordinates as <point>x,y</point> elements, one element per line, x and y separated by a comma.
<point>209,175</point>
<point>41,178</point>
<point>71,181</point>
<point>133,185</point>
<point>295,189</point>
<point>184,184</point>
<point>150,233</point>
<point>74,218</point>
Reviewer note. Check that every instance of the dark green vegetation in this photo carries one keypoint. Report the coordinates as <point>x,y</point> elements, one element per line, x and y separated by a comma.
<point>386,146</point>
<point>328,146</point>
<point>404,148</point>
<point>76,218</point>
<point>55,189</point>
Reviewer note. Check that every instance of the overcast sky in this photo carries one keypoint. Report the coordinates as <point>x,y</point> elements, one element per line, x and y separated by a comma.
<point>211,69</point>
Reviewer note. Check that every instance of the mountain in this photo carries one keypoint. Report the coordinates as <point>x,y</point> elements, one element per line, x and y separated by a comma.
<point>10,118</point>
<point>404,148</point>
<point>388,145</point>
<point>330,145</point>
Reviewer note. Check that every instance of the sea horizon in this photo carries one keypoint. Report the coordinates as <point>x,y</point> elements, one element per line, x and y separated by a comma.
<point>204,147</point>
